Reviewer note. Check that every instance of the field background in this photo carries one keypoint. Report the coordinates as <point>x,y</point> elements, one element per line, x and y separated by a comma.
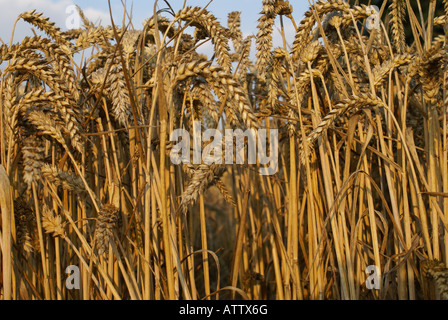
<point>86,177</point>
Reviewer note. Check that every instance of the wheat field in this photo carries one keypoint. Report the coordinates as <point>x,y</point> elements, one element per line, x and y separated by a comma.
<point>362,180</point>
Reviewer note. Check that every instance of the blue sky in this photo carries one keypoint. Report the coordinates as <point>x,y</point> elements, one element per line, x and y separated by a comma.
<point>98,10</point>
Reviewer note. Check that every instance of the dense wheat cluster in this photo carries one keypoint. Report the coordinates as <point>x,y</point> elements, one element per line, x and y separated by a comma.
<point>87,181</point>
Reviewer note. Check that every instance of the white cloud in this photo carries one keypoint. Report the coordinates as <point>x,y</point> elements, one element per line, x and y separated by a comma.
<point>97,16</point>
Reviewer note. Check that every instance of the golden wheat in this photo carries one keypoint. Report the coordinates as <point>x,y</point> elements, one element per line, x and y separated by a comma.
<point>362,175</point>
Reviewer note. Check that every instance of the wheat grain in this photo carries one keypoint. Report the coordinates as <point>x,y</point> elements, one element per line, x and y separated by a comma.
<point>104,230</point>
<point>64,179</point>
<point>44,24</point>
<point>224,85</point>
<point>26,226</point>
<point>436,270</point>
<point>303,36</point>
<point>46,125</point>
<point>348,105</point>
<point>52,224</point>
<point>202,178</point>
<point>32,153</point>
<point>203,19</point>
<point>234,26</point>
<point>264,36</point>
<point>397,19</point>
<point>118,93</point>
